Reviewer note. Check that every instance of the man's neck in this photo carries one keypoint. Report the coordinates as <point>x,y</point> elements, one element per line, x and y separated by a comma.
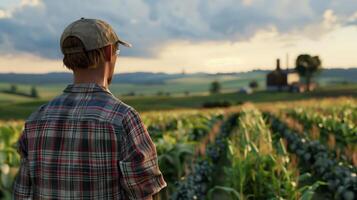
<point>90,76</point>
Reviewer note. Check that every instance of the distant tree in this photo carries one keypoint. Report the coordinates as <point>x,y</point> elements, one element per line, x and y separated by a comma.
<point>215,87</point>
<point>13,88</point>
<point>131,93</point>
<point>159,93</point>
<point>34,92</point>
<point>254,84</point>
<point>187,93</point>
<point>307,66</point>
<point>168,94</point>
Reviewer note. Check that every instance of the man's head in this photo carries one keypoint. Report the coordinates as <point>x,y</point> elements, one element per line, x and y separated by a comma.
<point>89,44</point>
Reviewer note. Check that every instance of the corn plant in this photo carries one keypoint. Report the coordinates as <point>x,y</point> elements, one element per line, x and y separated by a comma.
<point>9,157</point>
<point>256,170</point>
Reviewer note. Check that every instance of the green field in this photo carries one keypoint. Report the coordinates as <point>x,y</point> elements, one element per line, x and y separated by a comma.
<point>193,85</point>
<point>189,91</point>
<point>177,85</point>
<point>18,107</point>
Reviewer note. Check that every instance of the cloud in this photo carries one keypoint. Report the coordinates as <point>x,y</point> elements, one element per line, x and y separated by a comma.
<point>30,3</point>
<point>352,20</point>
<point>4,14</point>
<point>247,2</point>
<point>35,26</point>
<point>8,12</point>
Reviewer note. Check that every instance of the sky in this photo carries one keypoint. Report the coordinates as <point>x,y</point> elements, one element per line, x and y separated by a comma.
<point>185,35</point>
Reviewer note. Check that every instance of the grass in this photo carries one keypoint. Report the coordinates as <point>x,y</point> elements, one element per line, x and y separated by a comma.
<point>174,87</point>
<point>9,98</point>
<point>15,107</point>
<point>194,84</point>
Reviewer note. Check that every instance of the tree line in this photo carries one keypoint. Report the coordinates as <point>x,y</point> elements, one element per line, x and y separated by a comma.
<point>14,90</point>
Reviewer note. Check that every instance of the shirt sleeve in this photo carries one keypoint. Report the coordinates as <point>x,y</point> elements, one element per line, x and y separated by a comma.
<point>22,187</point>
<point>141,176</point>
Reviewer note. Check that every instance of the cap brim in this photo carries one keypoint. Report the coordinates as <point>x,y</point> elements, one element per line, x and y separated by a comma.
<point>127,44</point>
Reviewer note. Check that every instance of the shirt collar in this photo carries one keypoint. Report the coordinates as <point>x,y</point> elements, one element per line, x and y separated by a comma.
<point>85,88</point>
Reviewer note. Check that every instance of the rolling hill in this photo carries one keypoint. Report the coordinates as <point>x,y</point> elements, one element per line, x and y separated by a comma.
<point>146,83</point>
<point>349,75</point>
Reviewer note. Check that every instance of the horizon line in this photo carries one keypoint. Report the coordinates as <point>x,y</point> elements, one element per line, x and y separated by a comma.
<point>198,72</point>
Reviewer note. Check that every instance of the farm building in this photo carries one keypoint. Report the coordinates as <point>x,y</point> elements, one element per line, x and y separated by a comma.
<point>284,80</point>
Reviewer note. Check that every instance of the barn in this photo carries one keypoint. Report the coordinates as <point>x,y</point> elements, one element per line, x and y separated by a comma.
<point>283,80</point>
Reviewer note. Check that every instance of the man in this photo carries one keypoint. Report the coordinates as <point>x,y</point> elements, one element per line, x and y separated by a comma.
<point>86,143</point>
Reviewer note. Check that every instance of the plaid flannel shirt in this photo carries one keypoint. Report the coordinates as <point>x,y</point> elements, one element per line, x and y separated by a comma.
<point>86,144</point>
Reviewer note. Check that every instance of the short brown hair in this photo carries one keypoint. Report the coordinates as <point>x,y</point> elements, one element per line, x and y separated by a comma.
<point>85,59</point>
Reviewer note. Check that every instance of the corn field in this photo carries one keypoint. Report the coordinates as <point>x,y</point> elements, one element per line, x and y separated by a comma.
<point>300,150</point>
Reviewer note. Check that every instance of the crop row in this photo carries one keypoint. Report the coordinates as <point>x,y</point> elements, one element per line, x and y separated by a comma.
<point>314,157</point>
<point>176,142</point>
<point>339,135</point>
<point>255,169</point>
<point>196,184</point>
<point>344,110</point>
<point>345,132</point>
<point>245,162</point>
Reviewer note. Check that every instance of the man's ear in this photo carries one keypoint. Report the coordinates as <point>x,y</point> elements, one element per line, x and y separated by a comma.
<point>108,53</point>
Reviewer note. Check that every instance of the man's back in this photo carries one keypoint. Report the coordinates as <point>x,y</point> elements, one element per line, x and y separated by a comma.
<point>86,144</point>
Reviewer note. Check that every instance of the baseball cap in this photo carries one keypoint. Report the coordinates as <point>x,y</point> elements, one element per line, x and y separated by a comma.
<point>94,34</point>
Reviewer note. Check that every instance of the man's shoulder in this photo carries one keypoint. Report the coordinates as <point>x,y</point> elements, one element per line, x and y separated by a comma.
<point>34,115</point>
<point>121,107</point>
<point>116,110</point>
<point>118,105</point>
<point>112,108</point>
